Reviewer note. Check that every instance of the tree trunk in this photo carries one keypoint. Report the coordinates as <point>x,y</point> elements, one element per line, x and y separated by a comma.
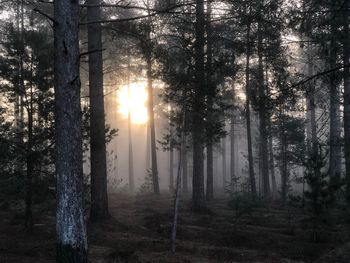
<point>29,158</point>
<point>30,170</point>
<point>346,61</point>
<point>198,198</point>
<point>184,165</point>
<point>210,96</point>
<point>334,113</point>
<point>263,121</point>
<point>224,163</point>
<point>178,184</point>
<point>70,216</point>
<point>272,168</point>
<point>152,126</point>
<point>148,148</point>
<point>247,104</point>
<point>99,197</point>
<point>210,173</point>
<point>233,154</point>
<point>131,155</point>
<point>284,162</point>
<point>171,169</point>
<point>312,133</point>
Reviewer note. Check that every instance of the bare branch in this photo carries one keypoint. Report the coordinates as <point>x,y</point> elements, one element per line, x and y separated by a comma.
<point>90,52</point>
<point>45,15</point>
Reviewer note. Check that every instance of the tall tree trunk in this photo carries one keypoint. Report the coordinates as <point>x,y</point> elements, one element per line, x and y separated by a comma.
<point>171,169</point>
<point>284,161</point>
<point>99,197</point>
<point>284,169</point>
<point>184,165</point>
<point>346,61</point>
<point>272,168</point>
<point>334,129</point>
<point>247,105</point>
<point>232,153</point>
<point>20,83</point>
<point>198,198</point>
<point>224,163</point>
<point>210,172</point>
<point>312,133</point>
<point>19,103</point>
<point>178,183</point>
<point>29,158</point>
<point>148,148</point>
<point>210,96</point>
<point>70,210</point>
<point>263,115</point>
<point>131,155</point>
<point>152,126</point>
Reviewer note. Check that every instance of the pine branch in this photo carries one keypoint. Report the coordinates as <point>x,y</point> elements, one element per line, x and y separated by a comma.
<point>319,75</point>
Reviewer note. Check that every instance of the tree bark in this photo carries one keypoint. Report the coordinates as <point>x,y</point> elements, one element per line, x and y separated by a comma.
<point>171,169</point>
<point>148,148</point>
<point>346,78</point>
<point>184,165</point>
<point>70,216</point>
<point>311,107</point>
<point>30,170</point>
<point>178,185</point>
<point>30,157</point>
<point>272,168</point>
<point>152,126</point>
<point>210,96</point>
<point>232,153</point>
<point>198,198</point>
<point>131,155</point>
<point>247,104</point>
<point>224,163</point>
<point>334,113</point>
<point>284,161</point>
<point>210,173</point>
<point>99,197</point>
<point>263,121</point>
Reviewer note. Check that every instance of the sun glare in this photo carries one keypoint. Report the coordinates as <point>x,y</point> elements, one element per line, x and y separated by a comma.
<point>133,98</point>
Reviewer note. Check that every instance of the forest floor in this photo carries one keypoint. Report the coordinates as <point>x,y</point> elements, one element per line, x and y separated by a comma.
<point>139,231</point>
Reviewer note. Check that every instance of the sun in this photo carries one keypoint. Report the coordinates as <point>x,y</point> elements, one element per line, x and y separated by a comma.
<point>133,98</point>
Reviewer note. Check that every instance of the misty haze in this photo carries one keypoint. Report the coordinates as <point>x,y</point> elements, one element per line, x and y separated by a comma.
<point>175,131</point>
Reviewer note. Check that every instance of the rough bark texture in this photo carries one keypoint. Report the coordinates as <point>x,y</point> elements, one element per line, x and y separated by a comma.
<point>70,217</point>
<point>263,122</point>
<point>346,61</point>
<point>99,197</point>
<point>247,105</point>
<point>198,198</point>
<point>152,127</point>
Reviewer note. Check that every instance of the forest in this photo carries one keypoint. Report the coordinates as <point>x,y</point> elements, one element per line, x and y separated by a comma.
<point>175,131</point>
